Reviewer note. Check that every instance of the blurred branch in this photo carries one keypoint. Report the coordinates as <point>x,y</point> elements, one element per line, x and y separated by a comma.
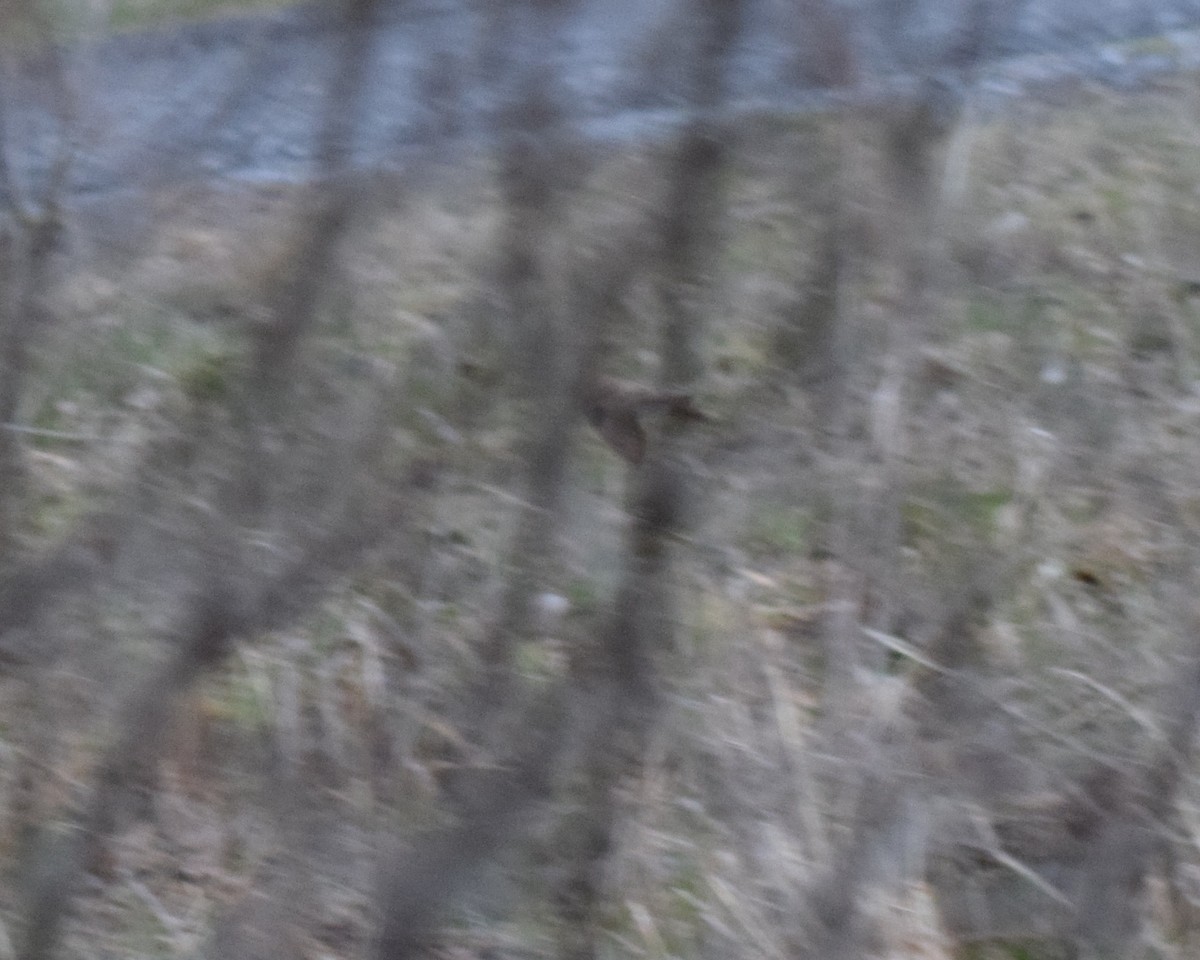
<point>28,588</point>
<point>232,597</point>
<point>619,672</point>
<point>417,883</point>
<point>1067,868</point>
<point>229,604</point>
<point>544,361</point>
<point>297,300</point>
<point>29,236</point>
<point>826,54</point>
<point>884,846</point>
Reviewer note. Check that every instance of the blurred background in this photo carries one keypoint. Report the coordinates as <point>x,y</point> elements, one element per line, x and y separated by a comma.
<point>599,479</point>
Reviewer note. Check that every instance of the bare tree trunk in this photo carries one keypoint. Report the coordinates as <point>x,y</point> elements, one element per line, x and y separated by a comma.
<point>542,359</point>
<point>546,357</point>
<point>221,611</point>
<point>884,848</point>
<point>30,232</point>
<point>1064,872</point>
<point>491,805</point>
<point>418,882</point>
<point>621,673</point>
<point>894,809</point>
<point>531,160</point>
<point>870,395</point>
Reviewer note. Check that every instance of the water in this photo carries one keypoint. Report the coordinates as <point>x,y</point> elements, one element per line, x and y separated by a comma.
<point>240,97</point>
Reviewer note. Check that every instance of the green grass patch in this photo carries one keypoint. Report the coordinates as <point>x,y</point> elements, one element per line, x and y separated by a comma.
<point>535,660</point>
<point>208,374</point>
<point>987,316</point>
<point>584,596</point>
<point>55,514</point>
<point>946,512</point>
<point>1017,950</point>
<point>103,368</point>
<point>1117,202</point>
<point>778,529</point>
<point>128,14</point>
<point>240,701</point>
<point>1151,47</point>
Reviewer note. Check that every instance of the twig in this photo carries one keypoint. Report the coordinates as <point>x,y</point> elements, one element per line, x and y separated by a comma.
<point>51,434</point>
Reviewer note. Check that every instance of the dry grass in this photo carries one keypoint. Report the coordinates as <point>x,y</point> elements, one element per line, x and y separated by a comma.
<point>1057,418</point>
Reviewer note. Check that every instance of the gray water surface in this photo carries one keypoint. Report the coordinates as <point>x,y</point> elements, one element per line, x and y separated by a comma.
<point>239,97</point>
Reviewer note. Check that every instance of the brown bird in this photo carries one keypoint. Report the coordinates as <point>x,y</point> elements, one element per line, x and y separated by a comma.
<point>613,407</point>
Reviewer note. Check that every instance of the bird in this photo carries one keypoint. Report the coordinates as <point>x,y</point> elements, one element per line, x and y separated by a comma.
<point>613,408</point>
